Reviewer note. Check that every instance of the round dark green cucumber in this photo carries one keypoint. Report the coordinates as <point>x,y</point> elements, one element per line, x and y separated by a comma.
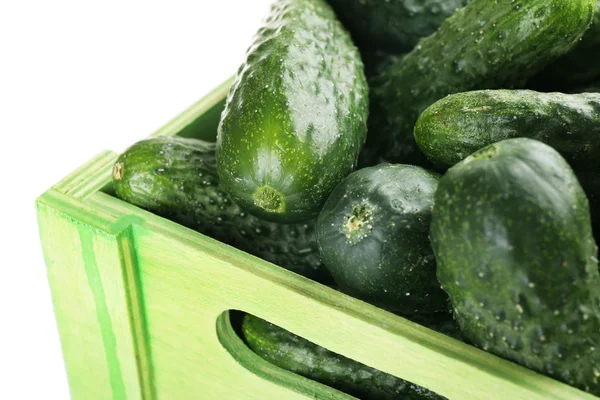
<point>513,241</point>
<point>460,124</point>
<point>176,178</point>
<point>578,67</point>
<point>485,45</point>
<point>295,118</point>
<point>393,25</point>
<point>298,355</point>
<point>373,238</point>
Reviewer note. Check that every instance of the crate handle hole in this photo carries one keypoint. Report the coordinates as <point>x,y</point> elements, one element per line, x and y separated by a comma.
<point>229,332</point>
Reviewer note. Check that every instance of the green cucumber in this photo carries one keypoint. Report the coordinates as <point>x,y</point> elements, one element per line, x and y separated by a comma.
<point>176,178</point>
<point>460,124</point>
<point>485,45</point>
<point>373,238</point>
<point>295,117</point>
<point>393,25</point>
<point>298,355</point>
<point>512,237</point>
<point>578,67</point>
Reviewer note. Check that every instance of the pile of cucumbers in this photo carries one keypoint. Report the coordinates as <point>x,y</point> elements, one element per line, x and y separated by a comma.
<point>439,159</point>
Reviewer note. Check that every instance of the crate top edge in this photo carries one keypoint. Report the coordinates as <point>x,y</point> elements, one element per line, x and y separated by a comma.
<point>95,174</point>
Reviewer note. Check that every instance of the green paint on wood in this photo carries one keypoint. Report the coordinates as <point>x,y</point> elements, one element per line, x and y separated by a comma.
<point>41,210</point>
<point>108,336</point>
<point>185,280</point>
<point>124,223</point>
<point>266,370</point>
<point>135,304</point>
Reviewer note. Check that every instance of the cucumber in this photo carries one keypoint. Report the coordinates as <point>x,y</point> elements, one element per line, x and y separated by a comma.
<point>484,45</point>
<point>578,67</point>
<point>176,178</point>
<point>298,355</point>
<point>295,117</point>
<point>393,25</point>
<point>373,238</point>
<point>512,237</point>
<point>462,123</point>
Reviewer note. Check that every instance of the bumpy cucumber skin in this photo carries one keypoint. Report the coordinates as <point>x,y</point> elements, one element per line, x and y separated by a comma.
<point>176,178</point>
<point>373,236</point>
<point>460,124</point>
<point>393,25</point>
<point>512,237</point>
<point>485,45</point>
<point>578,67</point>
<point>295,118</point>
<point>298,355</point>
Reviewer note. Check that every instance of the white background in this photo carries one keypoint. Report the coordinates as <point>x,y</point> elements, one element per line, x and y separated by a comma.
<point>78,77</point>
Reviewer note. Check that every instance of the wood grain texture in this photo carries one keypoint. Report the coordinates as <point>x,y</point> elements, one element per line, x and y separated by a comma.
<point>92,298</point>
<point>90,177</point>
<point>212,278</point>
<point>139,302</point>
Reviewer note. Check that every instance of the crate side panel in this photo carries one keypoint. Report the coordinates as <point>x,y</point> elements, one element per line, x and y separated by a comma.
<point>182,312</point>
<point>84,266</point>
<point>74,306</point>
<point>192,281</point>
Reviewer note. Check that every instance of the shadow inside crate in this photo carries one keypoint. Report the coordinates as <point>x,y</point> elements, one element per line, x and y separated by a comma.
<point>229,332</point>
<point>272,344</point>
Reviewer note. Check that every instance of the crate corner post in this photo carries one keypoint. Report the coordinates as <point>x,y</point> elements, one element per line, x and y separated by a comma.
<point>91,270</point>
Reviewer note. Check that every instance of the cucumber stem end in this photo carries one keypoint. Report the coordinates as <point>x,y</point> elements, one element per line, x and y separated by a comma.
<point>269,199</point>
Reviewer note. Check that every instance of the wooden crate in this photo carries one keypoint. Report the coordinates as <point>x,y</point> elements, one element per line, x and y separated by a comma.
<point>142,306</point>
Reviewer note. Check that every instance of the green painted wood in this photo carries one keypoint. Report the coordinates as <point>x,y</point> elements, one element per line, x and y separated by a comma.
<point>139,302</point>
<point>257,365</point>
<point>89,271</point>
<point>90,177</point>
<point>136,312</point>
<point>330,319</point>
